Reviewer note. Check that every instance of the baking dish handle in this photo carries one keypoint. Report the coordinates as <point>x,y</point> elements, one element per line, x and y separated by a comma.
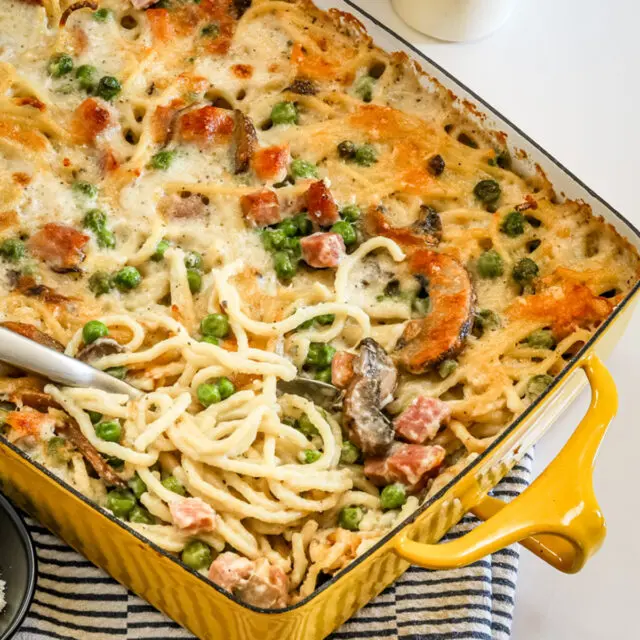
<point>557,516</point>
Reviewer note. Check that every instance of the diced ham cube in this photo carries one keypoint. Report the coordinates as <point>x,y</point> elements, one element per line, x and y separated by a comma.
<point>90,119</point>
<point>59,245</point>
<point>321,206</point>
<point>256,582</point>
<point>193,514</point>
<point>261,208</point>
<point>342,369</point>
<point>422,419</point>
<point>406,463</point>
<point>271,163</point>
<point>229,570</point>
<point>321,250</point>
<point>206,125</point>
<point>162,117</point>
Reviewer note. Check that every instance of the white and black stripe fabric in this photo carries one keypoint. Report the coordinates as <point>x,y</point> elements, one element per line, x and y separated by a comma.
<point>74,600</point>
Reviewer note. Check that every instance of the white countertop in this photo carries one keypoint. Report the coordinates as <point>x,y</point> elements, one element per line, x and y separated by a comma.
<point>566,72</point>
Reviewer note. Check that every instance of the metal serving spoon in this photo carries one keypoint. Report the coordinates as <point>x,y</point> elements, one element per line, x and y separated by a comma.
<point>31,356</point>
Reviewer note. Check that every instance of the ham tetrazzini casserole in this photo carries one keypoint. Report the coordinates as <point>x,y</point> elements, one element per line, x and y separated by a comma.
<point>207,197</point>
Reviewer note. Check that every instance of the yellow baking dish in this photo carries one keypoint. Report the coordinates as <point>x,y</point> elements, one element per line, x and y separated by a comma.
<point>557,517</point>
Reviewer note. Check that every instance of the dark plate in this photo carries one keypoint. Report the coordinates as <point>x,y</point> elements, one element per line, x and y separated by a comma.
<point>18,568</point>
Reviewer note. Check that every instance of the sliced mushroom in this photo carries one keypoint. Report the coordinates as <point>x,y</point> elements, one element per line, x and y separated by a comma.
<point>84,4</point>
<point>367,426</point>
<point>372,386</point>
<point>429,224</point>
<point>303,87</point>
<point>27,286</point>
<point>99,349</point>
<point>246,141</point>
<point>28,391</point>
<point>72,432</point>
<point>442,332</point>
<point>373,362</point>
<point>425,232</point>
<point>29,331</point>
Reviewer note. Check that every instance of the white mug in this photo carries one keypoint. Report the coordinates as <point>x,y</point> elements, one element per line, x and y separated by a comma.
<point>454,20</point>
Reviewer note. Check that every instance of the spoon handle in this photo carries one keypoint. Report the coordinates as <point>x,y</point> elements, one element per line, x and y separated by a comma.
<point>36,358</point>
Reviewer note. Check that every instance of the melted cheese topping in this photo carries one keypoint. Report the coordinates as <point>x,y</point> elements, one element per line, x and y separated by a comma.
<point>240,456</point>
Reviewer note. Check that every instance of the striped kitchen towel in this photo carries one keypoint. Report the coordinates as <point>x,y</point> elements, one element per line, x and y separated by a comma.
<point>75,601</point>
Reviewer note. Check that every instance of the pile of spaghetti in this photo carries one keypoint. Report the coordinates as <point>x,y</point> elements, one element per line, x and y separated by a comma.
<point>206,199</point>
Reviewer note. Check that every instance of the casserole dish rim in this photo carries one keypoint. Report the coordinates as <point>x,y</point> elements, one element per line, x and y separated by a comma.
<point>507,432</point>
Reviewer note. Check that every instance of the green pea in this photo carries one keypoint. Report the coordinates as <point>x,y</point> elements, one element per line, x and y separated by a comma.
<point>366,155</point>
<point>94,416</point>
<point>393,496</point>
<point>194,278</point>
<point>289,227</point>
<point>127,278</point>
<point>513,224</point>
<point>114,462</point>
<point>487,191</point>
<point>421,306</point>
<point>490,264</point>
<point>162,160</point>
<point>350,212</point>
<point>210,31</point>
<point>106,239</point>
<point>283,265</point>
<point>273,239</point>
<point>320,354</point>
<point>140,515</point>
<point>486,320</point>
<point>173,484</point>
<point>101,15</point>
<point>108,88</point>
<point>446,368</point>
<point>137,485</point>
<point>364,88</point>
<point>541,339</point>
<point>293,247</point>
<point>290,421</point>
<point>226,388</point>
<point>303,169</point>
<point>120,502</point>
<point>95,219</point>
<point>197,555</point>
<point>117,372</point>
<point>349,453</point>
<point>310,455</point>
<point>303,223</point>
<point>525,271</point>
<point>86,76</point>
<point>307,324</point>
<point>538,384</point>
<point>100,283</point>
<point>12,249</point>
<point>347,149</point>
<point>59,65</point>
<point>193,260</point>
<point>210,340</point>
<point>84,188</point>
<point>325,319</point>
<point>323,375</point>
<point>284,113</point>
<point>346,230</point>
<point>161,249</point>
<point>350,517</point>
<point>307,428</point>
<point>215,324</point>
<point>93,330</point>
<point>59,449</point>
<point>110,431</point>
<point>208,394</point>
